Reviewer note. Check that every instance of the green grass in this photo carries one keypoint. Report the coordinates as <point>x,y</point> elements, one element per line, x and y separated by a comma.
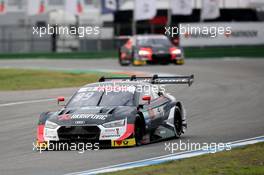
<point>22,79</point>
<point>248,160</point>
<point>72,55</point>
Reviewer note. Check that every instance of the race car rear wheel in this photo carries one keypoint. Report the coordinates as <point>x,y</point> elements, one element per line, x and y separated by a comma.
<point>138,132</point>
<point>177,122</point>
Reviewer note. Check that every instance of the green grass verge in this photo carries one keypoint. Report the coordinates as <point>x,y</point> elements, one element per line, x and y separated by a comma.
<point>202,52</point>
<point>22,79</point>
<point>77,55</point>
<point>248,160</point>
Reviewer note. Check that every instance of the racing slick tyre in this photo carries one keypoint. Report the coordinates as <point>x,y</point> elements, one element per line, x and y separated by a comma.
<point>138,131</point>
<point>122,62</point>
<point>177,122</point>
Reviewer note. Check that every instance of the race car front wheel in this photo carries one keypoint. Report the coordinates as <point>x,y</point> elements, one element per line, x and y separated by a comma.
<point>177,122</point>
<point>138,132</point>
<point>123,62</point>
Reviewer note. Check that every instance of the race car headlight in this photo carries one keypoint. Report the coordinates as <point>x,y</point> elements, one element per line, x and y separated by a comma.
<point>50,125</point>
<point>176,51</point>
<point>144,53</point>
<point>113,124</point>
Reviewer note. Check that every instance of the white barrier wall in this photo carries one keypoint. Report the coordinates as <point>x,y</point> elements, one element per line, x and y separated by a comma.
<point>242,33</point>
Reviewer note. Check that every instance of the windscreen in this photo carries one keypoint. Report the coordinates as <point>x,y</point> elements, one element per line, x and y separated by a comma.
<point>153,41</point>
<point>96,98</point>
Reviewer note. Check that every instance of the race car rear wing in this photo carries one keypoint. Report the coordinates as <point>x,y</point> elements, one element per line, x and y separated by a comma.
<point>155,79</point>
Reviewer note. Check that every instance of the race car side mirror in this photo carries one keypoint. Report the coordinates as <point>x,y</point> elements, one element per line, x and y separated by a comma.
<point>146,98</point>
<point>60,99</point>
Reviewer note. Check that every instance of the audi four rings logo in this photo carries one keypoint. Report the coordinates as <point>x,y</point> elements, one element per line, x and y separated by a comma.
<point>79,122</point>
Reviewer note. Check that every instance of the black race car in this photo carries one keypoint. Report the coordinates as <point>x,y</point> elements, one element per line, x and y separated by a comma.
<point>143,49</point>
<point>118,111</point>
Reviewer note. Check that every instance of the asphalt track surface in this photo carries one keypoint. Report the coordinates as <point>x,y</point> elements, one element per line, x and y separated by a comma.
<point>224,104</point>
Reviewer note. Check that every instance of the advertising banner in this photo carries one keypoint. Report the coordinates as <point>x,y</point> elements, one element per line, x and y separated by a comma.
<point>221,34</point>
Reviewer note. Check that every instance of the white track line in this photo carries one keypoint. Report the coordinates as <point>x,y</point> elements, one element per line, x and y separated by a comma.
<point>26,102</point>
<point>165,158</point>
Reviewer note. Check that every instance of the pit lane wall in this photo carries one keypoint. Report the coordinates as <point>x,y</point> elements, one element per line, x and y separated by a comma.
<point>228,34</point>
